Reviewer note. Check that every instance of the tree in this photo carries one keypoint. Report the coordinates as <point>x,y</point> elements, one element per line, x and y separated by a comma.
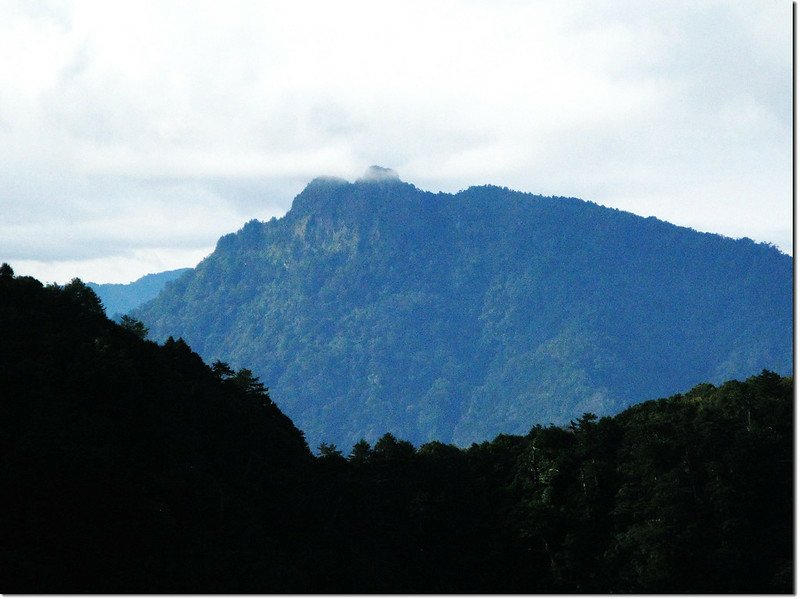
<point>83,295</point>
<point>135,326</point>
<point>328,451</point>
<point>249,383</point>
<point>390,448</point>
<point>361,452</point>
<point>584,422</point>
<point>222,370</point>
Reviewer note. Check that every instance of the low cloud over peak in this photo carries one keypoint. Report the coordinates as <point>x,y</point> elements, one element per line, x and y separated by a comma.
<point>379,173</point>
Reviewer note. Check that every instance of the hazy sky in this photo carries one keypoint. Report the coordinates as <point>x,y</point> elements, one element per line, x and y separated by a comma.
<point>134,134</point>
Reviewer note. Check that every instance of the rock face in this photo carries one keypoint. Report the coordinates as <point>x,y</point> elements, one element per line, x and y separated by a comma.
<point>374,306</point>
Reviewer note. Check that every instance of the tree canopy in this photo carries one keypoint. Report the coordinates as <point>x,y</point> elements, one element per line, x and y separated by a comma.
<point>133,467</point>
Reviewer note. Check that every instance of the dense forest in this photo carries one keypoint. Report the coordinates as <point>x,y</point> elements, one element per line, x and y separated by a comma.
<point>375,306</point>
<point>132,466</point>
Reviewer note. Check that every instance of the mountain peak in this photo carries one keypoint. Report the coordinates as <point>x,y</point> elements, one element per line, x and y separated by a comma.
<point>379,173</point>
<point>458,317</point>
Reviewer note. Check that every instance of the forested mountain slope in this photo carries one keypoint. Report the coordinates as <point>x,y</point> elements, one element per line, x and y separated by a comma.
<point>131,467</point>
<point>126,465</point>
<point>374,306</point>
<point>121,298</point>
<point>688,494</point>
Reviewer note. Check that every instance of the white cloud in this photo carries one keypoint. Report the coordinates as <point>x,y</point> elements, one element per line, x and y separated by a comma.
<point>202,115</point>
<point>102,270</point>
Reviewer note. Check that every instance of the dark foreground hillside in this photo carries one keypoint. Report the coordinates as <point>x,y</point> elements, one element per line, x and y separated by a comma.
<point>375,306</point>
<point>133,467</point>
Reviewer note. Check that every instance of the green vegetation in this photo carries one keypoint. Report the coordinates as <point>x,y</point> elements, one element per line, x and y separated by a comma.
<point>121,298</point>
<point>132,466</point>
<point>129,466</point>
<point>374,307</point>
<point>691,494</point>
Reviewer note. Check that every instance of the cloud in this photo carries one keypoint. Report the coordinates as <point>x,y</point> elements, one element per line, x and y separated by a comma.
<point>149,260</point>
<point>159,126</point>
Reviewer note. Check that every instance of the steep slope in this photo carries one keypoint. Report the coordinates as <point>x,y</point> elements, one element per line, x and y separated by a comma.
<point>132,467</point>
<point>121,298</point>
<point>374,306</point>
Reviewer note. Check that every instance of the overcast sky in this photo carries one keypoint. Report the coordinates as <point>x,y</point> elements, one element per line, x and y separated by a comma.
<point>134,134</point>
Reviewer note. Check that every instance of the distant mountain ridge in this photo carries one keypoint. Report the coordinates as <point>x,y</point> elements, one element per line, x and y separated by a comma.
<point>121,298</point>
<point>374,306</point>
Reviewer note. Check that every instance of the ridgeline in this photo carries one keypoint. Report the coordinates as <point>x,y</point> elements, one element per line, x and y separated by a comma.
<point>374,306</point>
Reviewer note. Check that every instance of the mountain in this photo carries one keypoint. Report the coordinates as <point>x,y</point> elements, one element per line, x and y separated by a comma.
<point>128,465</point>
<point>132,467</point>
<point>374,306</point>
<point>688,494</point>
<point>121,298</point>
